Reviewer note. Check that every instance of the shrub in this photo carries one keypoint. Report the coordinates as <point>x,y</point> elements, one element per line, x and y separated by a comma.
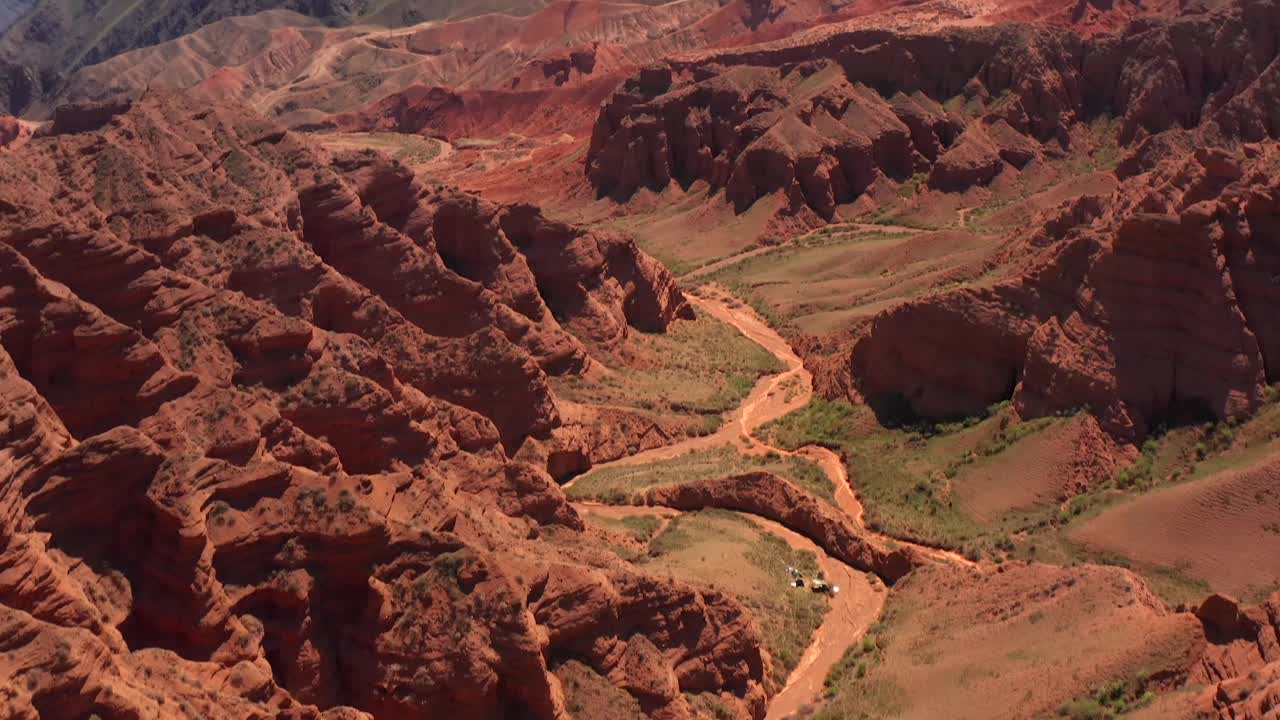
<point>1271,394</point>
<point>707,426</point>
<point>346,503</point>
<point>1112,700</point>
<point>1218,438</point>
<point>217,513</point>
<point>449,564</point>
<point>1137,474</point>
<point>822,421</point>
<point>1087,709</point>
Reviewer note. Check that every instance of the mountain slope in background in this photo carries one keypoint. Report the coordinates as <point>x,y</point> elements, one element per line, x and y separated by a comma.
<point>985,331</point>
<point>44,41</point>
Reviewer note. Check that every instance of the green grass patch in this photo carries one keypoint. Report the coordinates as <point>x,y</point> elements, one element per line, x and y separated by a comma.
<point>904,474</point>
<point>733,554</point>
<point>640,527</point>
<point>1112,700</point>
<point>752,299</point>
<point>1103,151</point>
<point>697,369</point>
<point>853,689</point>
<point>792,282</point>
<point>821,422</point>
<point>907,190</point>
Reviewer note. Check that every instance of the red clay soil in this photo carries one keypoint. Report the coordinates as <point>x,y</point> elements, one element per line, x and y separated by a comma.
<point>1046,469</point>
<point>1221,529</point>
<point>257,405</point>
<point>1019,643</point>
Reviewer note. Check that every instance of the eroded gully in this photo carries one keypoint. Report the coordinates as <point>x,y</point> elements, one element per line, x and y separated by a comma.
<point>860,601</point>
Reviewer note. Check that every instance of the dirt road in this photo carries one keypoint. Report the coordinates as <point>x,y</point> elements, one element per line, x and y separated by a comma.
<point>860,600</point>
<point>766,402</point>
<point>852,611</point>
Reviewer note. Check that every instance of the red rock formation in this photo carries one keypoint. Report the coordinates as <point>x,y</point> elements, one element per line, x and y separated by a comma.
<point>1242,662</point>
<point>1152,313</point>
<point>456,112</point>
<point>83,117</point>
<point>820,121</point>
<point>10,131</point>
<point>772,497</point>
<point>560,68</point>
<point>255,405</point>
<point>592,435</point>
<point>610,621</point>
<point>742,130</point>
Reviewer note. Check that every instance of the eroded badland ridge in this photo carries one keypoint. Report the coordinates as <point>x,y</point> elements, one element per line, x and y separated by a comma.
<point>672,360</point>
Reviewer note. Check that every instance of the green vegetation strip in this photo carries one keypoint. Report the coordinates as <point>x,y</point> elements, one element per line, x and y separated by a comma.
<point>699,368</point>
<point>906,476</point>
<point>1113,700</point>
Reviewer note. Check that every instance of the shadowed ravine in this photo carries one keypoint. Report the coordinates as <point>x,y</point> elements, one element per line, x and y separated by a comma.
<point>860,601</point>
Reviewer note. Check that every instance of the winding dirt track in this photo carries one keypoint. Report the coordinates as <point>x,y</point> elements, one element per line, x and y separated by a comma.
<point>860,601</point>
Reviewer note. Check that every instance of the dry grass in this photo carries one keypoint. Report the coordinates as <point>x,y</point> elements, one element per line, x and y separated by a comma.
<point>663,224</point>
<point>1223,529</point>
<point>1185,516</point>
<point>698,369</point>
<point>409,149</point>
<point>731,553</point>
<point>1017,644</point>
<point>623,484</point>
<point>838,275</point>
<point>640,527</point>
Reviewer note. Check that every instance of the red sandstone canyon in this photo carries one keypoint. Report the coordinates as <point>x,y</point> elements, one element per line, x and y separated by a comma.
<point>578,360</point>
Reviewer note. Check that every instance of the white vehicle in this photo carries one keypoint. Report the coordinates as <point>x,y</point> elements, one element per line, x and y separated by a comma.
<point>820,586</point>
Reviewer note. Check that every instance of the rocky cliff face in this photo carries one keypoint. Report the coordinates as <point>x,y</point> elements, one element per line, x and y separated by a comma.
<point>823,121</point>
<point>1147,306</point>
<point>772,497</point>
<point>1153,312</point>
<point>258,403</point>
<point>10,131</point>
<point>1242,663</point>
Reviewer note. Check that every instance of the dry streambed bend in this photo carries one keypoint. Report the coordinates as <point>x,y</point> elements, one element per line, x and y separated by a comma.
<point>860,601</point>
